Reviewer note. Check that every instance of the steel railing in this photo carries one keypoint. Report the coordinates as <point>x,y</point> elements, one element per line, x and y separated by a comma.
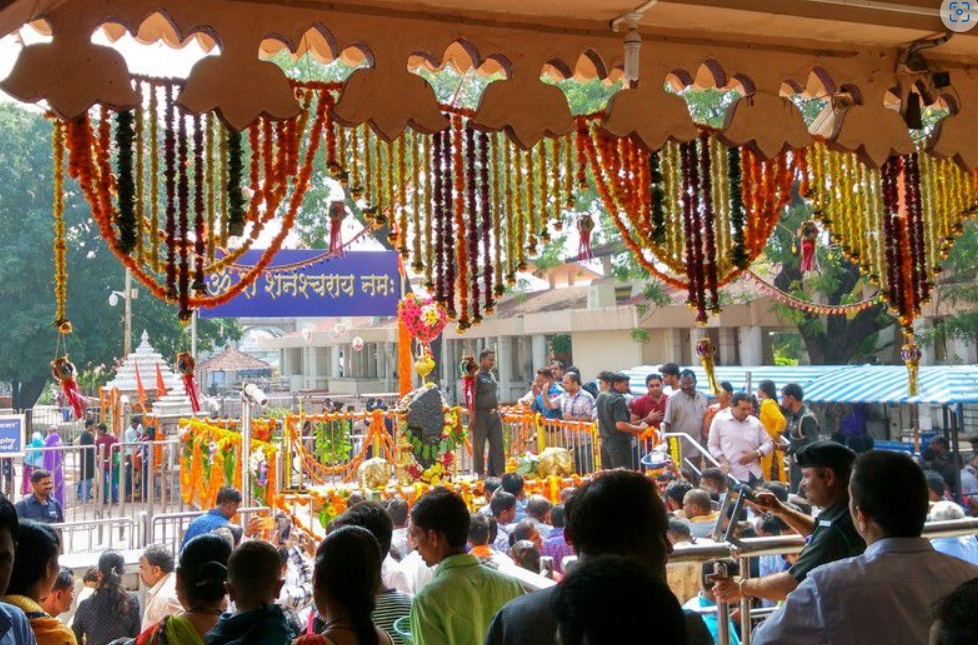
<point>748,548</point>
<point>168,528</point>
<point>95,536</point>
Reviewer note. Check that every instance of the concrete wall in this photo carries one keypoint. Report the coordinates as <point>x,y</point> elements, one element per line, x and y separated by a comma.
<point>605,350</point>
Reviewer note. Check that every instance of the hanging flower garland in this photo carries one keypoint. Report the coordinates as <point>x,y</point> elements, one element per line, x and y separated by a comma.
<point>678,237</point>
<point>60,246</point>
<point>810,307</point>
<point>896,222</point>
<point>278,184</point>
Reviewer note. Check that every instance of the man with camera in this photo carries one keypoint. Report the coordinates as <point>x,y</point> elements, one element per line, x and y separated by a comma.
<point>825,468</point>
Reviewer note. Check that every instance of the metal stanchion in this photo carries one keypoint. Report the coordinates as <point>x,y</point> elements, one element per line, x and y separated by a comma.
<point>746,626</point>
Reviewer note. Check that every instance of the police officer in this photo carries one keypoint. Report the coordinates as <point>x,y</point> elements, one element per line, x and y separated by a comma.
<point>825,468</point>
<point>485,423</point>
<point>802,428</point>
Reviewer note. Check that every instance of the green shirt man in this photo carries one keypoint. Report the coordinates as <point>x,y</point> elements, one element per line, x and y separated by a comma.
<point>456,607</point>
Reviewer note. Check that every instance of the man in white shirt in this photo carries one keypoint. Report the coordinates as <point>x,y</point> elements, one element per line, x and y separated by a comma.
<point>738,440</point>
<point>503,506</point>
<point>156,572</point>
<point>885,594</point>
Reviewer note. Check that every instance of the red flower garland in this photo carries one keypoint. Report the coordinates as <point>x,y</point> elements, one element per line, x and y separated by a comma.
<point>706,172</point>
<point>473,222</point>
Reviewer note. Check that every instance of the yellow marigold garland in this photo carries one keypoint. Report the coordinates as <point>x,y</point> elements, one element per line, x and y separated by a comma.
<point>61,321</point>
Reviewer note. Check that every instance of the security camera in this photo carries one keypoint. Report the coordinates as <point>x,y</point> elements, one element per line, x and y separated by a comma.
<point>253,394</point>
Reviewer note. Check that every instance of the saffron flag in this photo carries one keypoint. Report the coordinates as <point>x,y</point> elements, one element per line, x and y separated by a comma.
<point>140,390</point>
<point>160,385</point>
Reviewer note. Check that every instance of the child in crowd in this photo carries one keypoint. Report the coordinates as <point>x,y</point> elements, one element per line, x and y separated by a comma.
<point>254,583</point>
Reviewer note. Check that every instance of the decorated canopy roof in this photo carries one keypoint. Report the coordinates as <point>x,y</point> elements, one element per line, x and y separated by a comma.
<point>767,50</point>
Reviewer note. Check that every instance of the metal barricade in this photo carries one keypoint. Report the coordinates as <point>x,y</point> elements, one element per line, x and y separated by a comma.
<point>95,536</point>
<point>141,476</point>
<point>749,548</point>
<point>580,437</point>
<point>168,528</point>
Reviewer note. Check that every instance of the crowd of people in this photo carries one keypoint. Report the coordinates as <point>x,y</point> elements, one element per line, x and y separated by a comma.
<point>441,573</point>
<point>520,569</point>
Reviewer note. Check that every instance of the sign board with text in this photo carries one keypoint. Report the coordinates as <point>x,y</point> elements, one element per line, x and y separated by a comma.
<point>357,283</point>
<point>13,428</point>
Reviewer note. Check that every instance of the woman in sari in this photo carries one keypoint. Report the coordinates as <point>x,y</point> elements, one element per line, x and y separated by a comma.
<point>201,575</point>
<point>33,459</point>
<point>773,420</point>
<point>54,463</point>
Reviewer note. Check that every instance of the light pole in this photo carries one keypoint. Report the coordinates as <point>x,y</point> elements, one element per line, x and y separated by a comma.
<point>128,296</point>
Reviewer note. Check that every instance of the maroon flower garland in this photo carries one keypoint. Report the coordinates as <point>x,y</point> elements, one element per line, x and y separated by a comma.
<point>693,228</point>
<point>486,212</point>
<point>685,162</point>
<point>712,277</point>
<point>169,173</point>
<point>915,228</point>
<point>473,219</point>
<point>449,229</point>
<point>183,221</point>
<point>888,175</point>
<point>198,284</point>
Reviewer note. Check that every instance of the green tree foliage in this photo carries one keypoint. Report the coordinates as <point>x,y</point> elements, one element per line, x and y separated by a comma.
<point>26,274</point>
<point>830,340</point>
<point>957,291</point>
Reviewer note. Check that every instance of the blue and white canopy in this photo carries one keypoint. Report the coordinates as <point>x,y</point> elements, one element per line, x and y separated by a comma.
<point>938,384</point>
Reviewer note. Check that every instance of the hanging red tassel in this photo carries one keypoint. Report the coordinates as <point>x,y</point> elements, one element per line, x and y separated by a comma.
<point>186,365</point>
<point>808,232</point>
<point>467,370</point>
<point>63,371</point>
<point>337,211</point>
<point>584,227</point>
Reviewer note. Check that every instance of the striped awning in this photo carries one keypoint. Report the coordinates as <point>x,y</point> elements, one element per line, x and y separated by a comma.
<point>742,378</point>
<point>937,385</point>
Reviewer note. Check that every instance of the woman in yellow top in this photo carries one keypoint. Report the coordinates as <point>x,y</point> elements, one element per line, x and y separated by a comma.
<point>773,420</point>
<point>35,571</point>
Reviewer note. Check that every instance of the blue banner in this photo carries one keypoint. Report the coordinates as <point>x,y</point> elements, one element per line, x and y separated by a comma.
<point>358,283</point>
<point>11,435</point>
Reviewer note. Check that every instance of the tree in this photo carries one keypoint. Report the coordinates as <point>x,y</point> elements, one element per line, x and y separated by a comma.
<point>26,273</point>
<point>957,290</point>
<point>834,339</point>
